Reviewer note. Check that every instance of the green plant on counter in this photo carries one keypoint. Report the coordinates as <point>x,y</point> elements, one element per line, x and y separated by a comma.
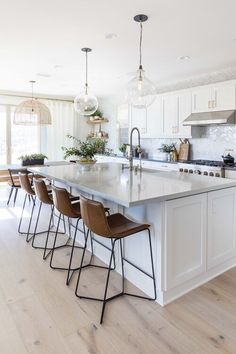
<point>168,148</point>
<point>32,157</point>
<point>122,148</point>
<point>84,150</point>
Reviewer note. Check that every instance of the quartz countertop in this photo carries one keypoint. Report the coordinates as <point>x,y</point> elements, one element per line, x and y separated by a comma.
<point>113,182</point>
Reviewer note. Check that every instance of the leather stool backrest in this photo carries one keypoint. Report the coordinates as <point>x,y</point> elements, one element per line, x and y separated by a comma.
<point>41,191</point>
<point>62,202</point>
<point>94,217</point>
<point>25,183</point>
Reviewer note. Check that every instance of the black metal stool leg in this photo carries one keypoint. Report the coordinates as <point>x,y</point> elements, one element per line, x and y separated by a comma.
<point>122,266</point>
<point>55,240</point>
<point>152,265</point>
<point>22,212</point>
<point>16,192</point>
<point>71,255</point>
<point>47,237</point>
<point>36,224</point>
<point>107,282</point>
<point>30,222</point>
<point>10,195</point>
<point>81,263</point>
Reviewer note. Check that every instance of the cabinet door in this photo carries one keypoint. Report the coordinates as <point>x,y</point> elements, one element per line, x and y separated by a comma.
<point>138,118</point>
<point>155,119</point>
<point>221,231</point>
<point>184,110</point>
<point>185,239</point>
<point>201,99</point>
<point>223,97</point>
<point>170,116</point>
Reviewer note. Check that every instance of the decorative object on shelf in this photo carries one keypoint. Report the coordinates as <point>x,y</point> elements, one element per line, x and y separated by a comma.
<point>86,103</point>
<point>168,149</point>
<point>85,151</point>
<point>98,115</point>
<point>99,133</point>
<point>33,159</point>
<point>184,150</point>
<point>32,112</point>
<point>141,92</point>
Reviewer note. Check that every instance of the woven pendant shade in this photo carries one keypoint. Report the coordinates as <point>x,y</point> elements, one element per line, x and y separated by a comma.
<point>32,112</point>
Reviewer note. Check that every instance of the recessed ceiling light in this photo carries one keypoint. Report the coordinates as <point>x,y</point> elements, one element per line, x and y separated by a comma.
<point>58,66</point>
<point>43,75</point>
<point>184,57</point>
<point>111,36</point>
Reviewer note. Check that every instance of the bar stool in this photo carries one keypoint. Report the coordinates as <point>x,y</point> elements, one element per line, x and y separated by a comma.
<point>27,188</point>
<point>45,197</point>
<point>14,182</point>
<point>116,227</point>
<point>65,207</point>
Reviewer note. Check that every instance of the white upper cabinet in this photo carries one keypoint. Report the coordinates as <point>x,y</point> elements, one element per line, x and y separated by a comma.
<point>154,119</point>
<point>223,97</point>
<point>184,109</point>
<point>201,98</point>
<point>138,118</point>
<point>169,115</point>
<point>219,97</point>
<point>149,121</point>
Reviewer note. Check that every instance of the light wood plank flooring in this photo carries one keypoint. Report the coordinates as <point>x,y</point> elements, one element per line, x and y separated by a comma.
<point>39,314</point>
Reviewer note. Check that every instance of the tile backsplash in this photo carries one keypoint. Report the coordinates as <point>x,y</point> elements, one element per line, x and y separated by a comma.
<point>212,143</point>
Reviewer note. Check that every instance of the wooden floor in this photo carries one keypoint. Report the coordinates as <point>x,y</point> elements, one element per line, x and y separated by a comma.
<point>40,314</point>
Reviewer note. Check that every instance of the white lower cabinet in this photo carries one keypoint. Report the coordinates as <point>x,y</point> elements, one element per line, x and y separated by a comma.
<point>221,231</point>
<point>197,238</point>
<point>185,239</point>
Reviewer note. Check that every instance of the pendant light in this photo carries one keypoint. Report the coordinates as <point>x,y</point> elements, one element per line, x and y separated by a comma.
<point>86,103</point>
<point>141,92</point>
<point>32,112</point>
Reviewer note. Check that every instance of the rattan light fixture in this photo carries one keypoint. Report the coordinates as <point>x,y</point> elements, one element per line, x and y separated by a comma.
<point>32,112</point>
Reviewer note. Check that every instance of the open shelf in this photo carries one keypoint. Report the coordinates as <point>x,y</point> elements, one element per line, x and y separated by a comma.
<point>97,121</point>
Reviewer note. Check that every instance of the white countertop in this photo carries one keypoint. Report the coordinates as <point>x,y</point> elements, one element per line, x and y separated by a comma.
<point>110,181</point>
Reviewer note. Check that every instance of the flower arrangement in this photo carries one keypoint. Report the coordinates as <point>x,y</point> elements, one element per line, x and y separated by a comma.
<point>85,151</point>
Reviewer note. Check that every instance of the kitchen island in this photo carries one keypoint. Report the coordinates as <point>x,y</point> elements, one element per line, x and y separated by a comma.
<point>193,221</point>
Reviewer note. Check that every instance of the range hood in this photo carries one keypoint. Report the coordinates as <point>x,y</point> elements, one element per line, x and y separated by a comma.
<point>210,118</point>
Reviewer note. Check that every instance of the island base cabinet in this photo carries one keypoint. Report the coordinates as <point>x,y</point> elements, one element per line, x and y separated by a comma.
<point>221,230</point>
<point>185,239</point>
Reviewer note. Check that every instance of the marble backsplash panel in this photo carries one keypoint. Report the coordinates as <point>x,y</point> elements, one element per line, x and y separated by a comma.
<point>211,144</point>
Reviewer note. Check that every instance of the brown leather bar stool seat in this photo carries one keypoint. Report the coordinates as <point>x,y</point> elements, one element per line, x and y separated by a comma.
<point>66,208</point>
<point>115,227</point>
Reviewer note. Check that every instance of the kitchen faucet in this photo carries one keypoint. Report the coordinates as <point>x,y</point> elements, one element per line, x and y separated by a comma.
<point>131,149</point>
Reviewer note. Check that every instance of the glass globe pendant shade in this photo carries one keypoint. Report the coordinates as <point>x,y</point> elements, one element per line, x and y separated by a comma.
<point>85,103</point>
<point>32,112</point>
<point>141,92</point>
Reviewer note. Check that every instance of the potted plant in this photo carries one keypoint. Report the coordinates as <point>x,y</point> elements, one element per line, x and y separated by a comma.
<point>84,151</point>
<point>122,149</point>
<point>97,115</point>
<point>32,159</point>
<point>167,148</point>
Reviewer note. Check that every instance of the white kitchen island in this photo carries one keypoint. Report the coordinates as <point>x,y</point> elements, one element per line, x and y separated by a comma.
<point>193,221</point>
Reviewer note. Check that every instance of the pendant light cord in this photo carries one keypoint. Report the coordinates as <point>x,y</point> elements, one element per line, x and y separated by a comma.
<point>140,45</point>
<point>86,74</point>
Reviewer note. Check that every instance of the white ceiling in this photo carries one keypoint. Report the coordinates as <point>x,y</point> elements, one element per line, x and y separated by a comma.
<point>46,37</point>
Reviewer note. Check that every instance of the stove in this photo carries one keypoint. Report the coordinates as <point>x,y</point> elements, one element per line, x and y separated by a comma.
<point>203,167</point>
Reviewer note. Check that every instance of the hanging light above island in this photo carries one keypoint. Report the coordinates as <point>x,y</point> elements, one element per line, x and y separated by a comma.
<point>141,92</point>
<point>86,103</point>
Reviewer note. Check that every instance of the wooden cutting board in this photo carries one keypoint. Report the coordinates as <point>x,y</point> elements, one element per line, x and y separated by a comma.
<point>184,149</point>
